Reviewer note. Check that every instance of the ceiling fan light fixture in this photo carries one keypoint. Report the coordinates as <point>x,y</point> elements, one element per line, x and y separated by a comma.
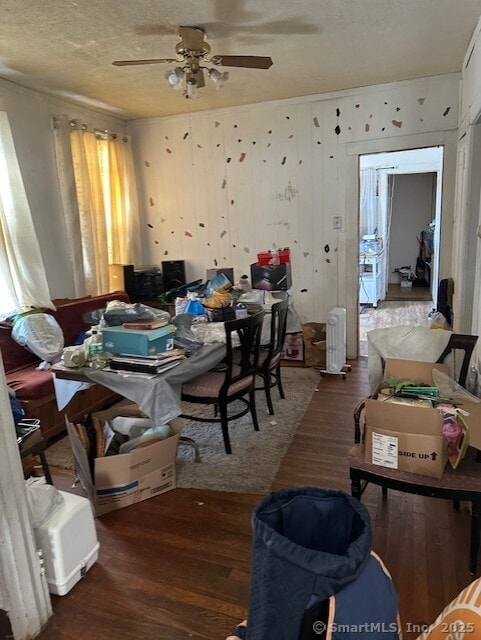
<point>219,79</point>
<point>175,78</point>
<point>191,88</point>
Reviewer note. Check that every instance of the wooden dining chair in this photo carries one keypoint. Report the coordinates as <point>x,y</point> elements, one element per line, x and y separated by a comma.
<point>234,380</point>
<point>464,483</point>
<point>31,443</point>
<point>269,365</point>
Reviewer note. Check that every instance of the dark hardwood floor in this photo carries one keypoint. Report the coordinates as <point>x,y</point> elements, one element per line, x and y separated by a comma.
<point>178,566</point>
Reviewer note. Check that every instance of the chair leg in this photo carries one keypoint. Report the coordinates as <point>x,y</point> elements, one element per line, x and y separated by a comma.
<point>267,388</point>
<point>191,442</point>
<point>279,382</point>
<point>252,401</point>
<point>46,470</point>
<point>225,428</point>
<point>356,490</point>
<point>384,493</point>
<point>475,536</point>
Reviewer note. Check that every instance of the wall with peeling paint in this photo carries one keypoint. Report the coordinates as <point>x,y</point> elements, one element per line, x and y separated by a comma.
<point>219,186</point>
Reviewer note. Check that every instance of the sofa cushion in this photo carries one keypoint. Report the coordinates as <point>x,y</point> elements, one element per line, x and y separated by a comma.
<point>13,355</point>
<point>31,384</point>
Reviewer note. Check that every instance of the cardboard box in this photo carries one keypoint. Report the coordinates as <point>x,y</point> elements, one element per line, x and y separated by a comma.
<point>404,437</point>
<point>271,278</point>
<point>265,257</point>
<point>138,342</point>
<point>124,479</point>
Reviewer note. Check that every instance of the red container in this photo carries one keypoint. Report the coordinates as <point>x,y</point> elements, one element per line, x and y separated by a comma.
<point>265,257</point>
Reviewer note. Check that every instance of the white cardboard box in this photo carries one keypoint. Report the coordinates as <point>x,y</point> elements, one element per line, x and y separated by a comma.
<point>124,479</point>
<point>68,541</point>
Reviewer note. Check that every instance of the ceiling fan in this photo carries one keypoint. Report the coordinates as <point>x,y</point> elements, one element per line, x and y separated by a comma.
<point>191,51</point>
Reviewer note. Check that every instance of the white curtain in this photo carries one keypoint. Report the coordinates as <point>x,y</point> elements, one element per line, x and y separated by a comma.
<point>68,192</point>
<point>97,178</point>
<point>20,259</point>
<point>368,222</point>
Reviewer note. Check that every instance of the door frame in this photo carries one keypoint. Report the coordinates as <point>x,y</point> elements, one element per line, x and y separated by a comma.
<point>447,139</point>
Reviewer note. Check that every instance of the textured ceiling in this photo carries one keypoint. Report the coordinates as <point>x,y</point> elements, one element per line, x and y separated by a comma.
<point>66,47</point>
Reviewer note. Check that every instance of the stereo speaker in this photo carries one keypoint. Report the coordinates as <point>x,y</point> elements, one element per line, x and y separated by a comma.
<point>122,278</point>
<point>173,272</point>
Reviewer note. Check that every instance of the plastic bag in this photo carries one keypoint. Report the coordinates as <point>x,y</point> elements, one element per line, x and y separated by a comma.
<point>40,333</point>
<point>436,320</point>
<point>43,500</point>
<point>184,337</point>
<point>449,388</point>
<point>217,292</point>
<point>118,312</point>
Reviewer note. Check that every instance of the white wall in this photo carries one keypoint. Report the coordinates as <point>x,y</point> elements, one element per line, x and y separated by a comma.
<point>290,171</point>
<point>467,219</point>
<point>29,113</point>
<point>217,187</point>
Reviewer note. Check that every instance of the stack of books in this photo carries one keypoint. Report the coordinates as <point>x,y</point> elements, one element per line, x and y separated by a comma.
<point>154,364</point>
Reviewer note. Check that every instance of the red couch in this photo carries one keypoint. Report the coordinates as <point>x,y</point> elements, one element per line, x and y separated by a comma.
<point>35,388</point>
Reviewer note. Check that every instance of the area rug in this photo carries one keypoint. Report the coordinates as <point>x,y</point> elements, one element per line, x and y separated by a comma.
<point>256,456</point>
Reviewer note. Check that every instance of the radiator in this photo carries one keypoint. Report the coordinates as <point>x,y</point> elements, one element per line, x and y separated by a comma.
<point>336,340</point>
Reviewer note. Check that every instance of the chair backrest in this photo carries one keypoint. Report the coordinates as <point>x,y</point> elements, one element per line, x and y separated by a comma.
<point>459,342</point>
<point>278,328</point>
<point>248,331</point>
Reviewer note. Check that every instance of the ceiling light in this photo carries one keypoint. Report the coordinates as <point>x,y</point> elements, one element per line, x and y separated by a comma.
<point>176,78</point>
<point>191,88</point>
<point>219,79</point>
<point>190,78</point>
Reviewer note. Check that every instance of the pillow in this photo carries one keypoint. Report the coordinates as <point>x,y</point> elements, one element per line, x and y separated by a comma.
<point>460,619</point>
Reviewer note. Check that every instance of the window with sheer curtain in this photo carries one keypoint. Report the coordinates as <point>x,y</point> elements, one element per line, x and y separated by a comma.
<point>99,195</point>
<point>23,283</point>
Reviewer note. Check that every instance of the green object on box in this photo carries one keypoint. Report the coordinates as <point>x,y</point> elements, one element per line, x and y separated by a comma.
<point>138,342</point>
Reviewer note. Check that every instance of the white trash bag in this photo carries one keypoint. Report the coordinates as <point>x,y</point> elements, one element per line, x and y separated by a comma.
<point>40,333</point>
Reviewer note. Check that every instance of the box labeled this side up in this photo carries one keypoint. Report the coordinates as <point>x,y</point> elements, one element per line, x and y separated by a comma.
<point>402,436</point>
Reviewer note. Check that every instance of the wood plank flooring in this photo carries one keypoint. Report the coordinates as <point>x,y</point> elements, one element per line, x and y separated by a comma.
<point>178,566</point>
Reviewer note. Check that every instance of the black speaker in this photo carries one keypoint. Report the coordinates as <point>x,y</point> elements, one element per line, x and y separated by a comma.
<point>122,278</point>
<point>174,274</point>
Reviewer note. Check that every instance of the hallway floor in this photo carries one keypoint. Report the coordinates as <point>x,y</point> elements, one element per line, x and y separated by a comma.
<point>390,314</point>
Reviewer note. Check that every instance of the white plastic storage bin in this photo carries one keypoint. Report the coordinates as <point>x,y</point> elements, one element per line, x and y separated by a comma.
<point>68,540</point>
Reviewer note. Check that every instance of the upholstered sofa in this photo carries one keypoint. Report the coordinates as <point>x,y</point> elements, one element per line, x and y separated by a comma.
<point>35,388</point>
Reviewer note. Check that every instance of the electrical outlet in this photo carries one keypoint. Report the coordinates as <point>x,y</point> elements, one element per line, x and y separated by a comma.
<point>337,222</point>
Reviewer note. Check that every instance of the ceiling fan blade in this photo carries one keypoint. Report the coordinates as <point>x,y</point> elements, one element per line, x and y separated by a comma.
<point>252,62</point>
<point>192,37</point>
<point>125,63</point>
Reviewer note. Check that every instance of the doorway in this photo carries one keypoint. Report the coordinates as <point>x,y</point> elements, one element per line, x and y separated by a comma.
<point>399,236</point>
